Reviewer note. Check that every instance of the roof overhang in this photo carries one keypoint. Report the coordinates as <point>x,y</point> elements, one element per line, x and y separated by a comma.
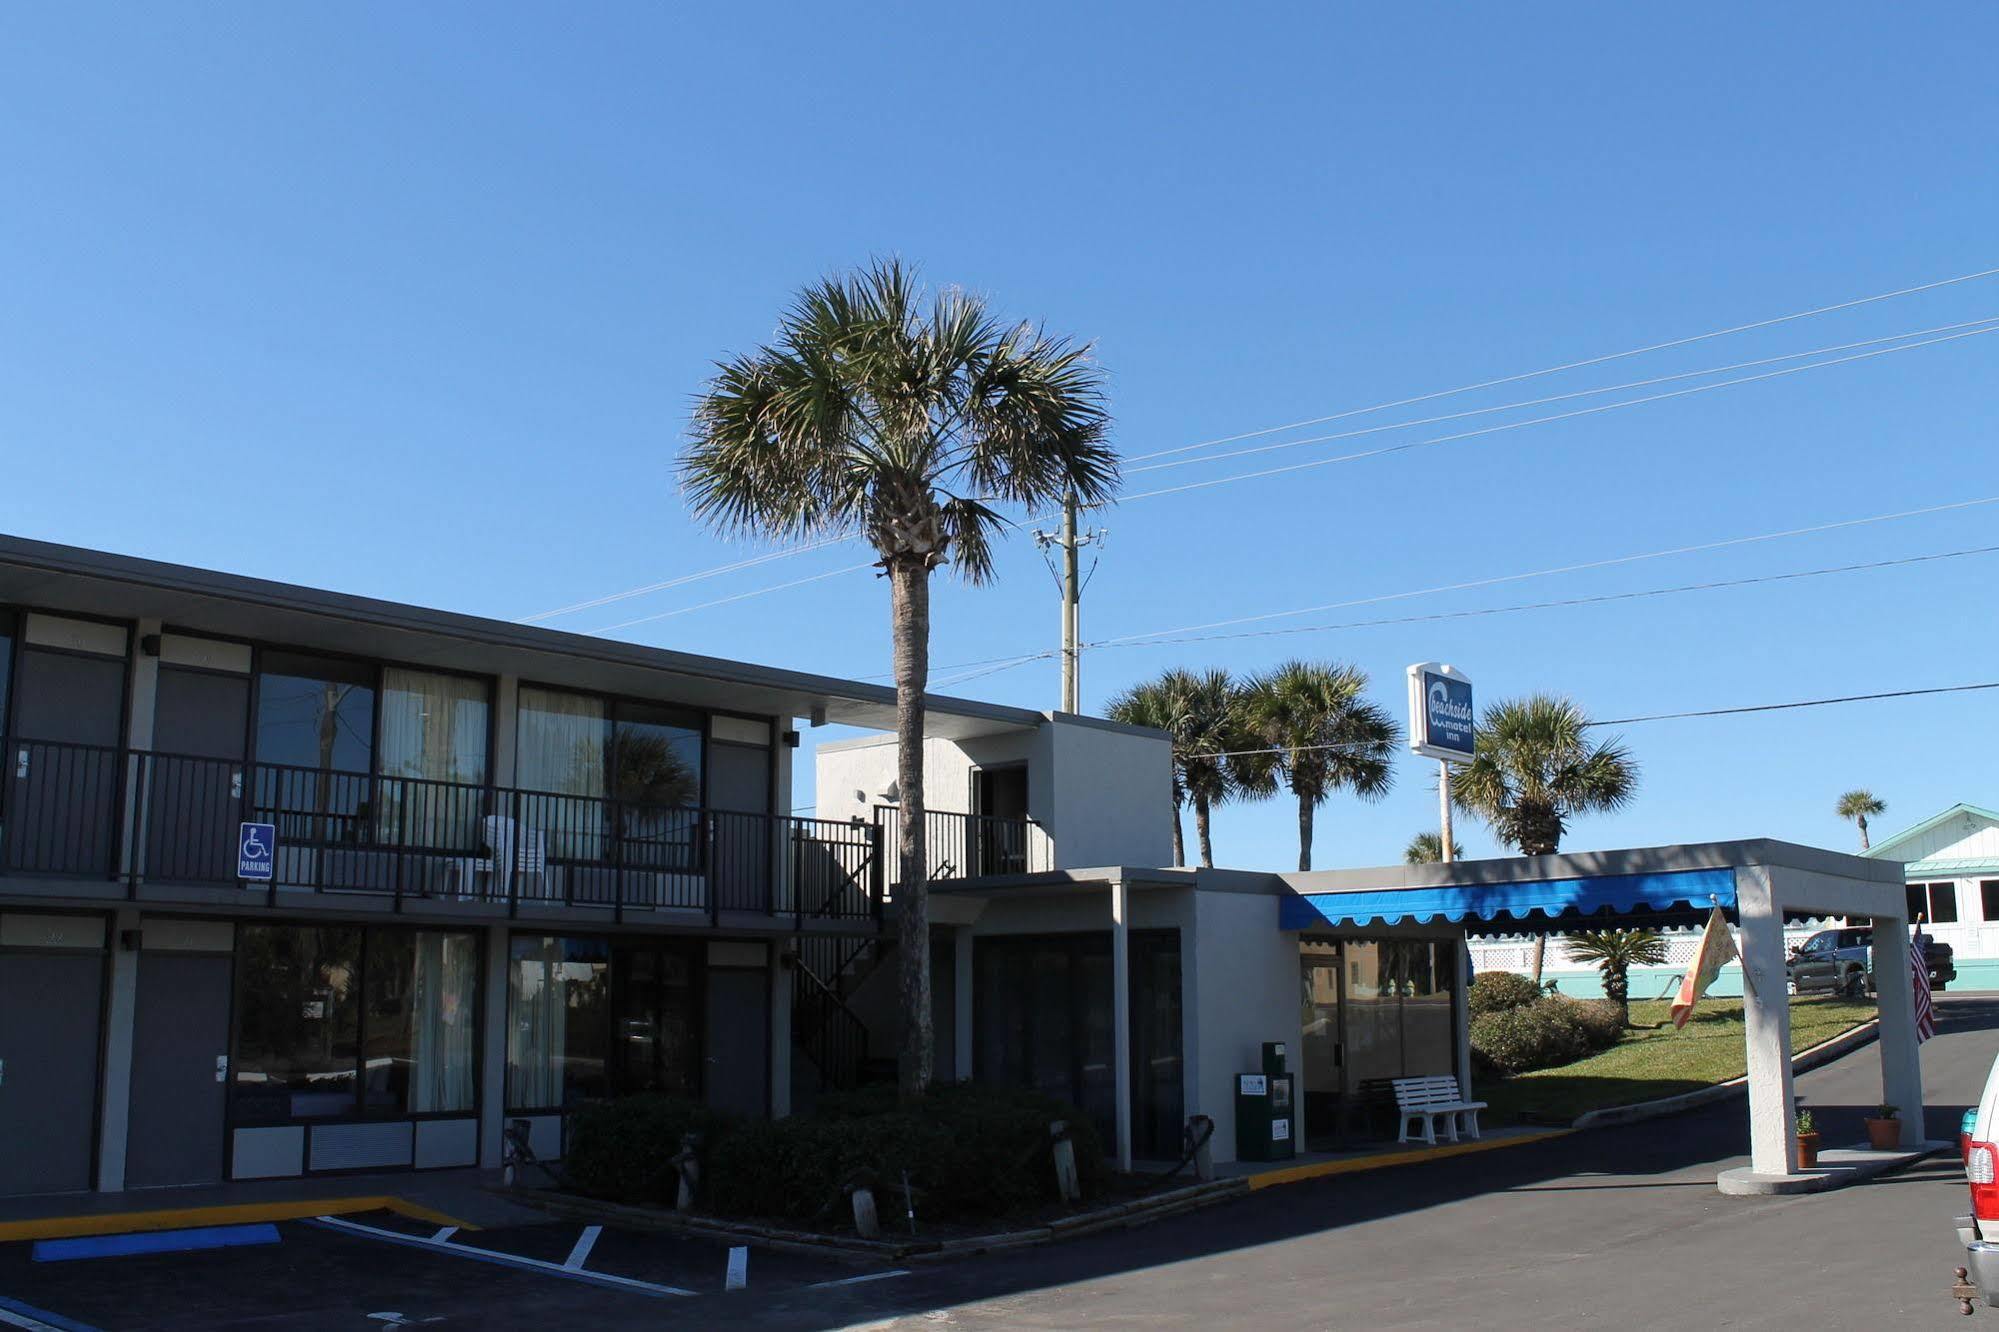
<point>58,578</point>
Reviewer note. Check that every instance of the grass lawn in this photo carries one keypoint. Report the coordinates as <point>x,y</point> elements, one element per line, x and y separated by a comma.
<point>1659,1061</point>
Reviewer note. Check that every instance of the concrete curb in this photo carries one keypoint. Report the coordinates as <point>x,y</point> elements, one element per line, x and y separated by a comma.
<point>1124,1215</point>
<point>1802,1062</point>
<point>1836,1169</point>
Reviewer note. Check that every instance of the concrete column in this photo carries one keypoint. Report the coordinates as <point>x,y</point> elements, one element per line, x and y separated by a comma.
<point>1901,1067</point>
<point>961,1003</point>
<point>141,706</point>
<point>493,1050</point>
<point>1767,1026</point>
<point>1461,1013</point>
<point>1121,1014</point>
<point>121,1009</point>
<point>780,1033</point>
<point>506,712</point>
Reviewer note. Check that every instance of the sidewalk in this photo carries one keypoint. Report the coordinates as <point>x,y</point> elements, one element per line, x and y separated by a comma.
<point>461,1198</point>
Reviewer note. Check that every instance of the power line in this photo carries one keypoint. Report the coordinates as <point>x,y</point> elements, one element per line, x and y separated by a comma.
<point>1565,602</point>
<point>1572,365</point>
<point>1802,703</point>
<point>1558,569</point>
<point>684,579</point>
<point>1559,397</point>
<point>998,664</point>
<point>723,601</point>
<point>1543,420</point>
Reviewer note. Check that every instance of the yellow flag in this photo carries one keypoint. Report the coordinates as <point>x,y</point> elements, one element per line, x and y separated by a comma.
<point>1717,950</point>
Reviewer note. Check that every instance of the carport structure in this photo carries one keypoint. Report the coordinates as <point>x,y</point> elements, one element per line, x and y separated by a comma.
<point>1757,884</point>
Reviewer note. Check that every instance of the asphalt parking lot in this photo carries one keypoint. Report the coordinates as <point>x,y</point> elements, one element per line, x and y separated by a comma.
<point>1568,1232</point>
<point>379,1269</point>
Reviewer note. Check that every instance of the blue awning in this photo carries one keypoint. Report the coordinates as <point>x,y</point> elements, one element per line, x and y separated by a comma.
<point>1678,890</point>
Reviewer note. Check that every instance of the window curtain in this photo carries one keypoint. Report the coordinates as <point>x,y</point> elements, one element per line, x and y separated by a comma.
<point>433,730</point>
<point>559,750</point>
<point>537,1025</point>
<point>444,1014</point>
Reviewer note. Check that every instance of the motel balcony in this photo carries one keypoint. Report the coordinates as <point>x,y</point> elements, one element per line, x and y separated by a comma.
<point>103,823</point>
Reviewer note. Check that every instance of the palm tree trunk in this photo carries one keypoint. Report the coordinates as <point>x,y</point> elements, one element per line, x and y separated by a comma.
<point>1540,956</point>
<point>909,596</point>
<point>1179,839</point>
<point>1862,821</point>
<point>1201,829</point>
<point>1617,987</point>
<point>1304,832</point>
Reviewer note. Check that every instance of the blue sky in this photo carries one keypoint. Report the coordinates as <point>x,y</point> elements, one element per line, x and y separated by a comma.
<point>413,303</point>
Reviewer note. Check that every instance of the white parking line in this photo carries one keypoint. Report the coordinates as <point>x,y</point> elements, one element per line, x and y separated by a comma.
<point>584,1243</point>
<point>443,1233</point>
<point>15,1313</point>
<point>857,1280</point>
<point>499,1259</point>
<point>737,1277</point>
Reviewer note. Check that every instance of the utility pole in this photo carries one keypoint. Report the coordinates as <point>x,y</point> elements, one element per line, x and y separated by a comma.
<point>1071,543</point>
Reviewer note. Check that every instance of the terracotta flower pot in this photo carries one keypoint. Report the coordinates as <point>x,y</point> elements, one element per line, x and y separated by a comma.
<point>1808,1151</point>
<point>1884,1135</point>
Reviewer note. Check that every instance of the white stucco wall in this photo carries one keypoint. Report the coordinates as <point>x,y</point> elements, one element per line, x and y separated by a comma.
<point>1102,793</point>
<point>1239,987</point>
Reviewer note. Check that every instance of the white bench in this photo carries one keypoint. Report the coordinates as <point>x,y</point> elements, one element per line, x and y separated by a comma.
<point>1427,1100</point>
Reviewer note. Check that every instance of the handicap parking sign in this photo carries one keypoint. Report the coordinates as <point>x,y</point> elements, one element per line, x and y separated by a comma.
<point>256,848</point>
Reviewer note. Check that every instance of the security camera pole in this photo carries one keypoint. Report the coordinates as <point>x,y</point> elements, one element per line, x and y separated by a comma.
<point>1440,727</point>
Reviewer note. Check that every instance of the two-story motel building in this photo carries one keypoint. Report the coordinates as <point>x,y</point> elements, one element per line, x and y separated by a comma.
<point>517,870</point>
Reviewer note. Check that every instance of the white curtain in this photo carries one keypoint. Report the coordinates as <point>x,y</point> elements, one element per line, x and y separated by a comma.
<point>433,730</point>
<point>559,749</point>
<point>443,1010</point>
<point>537,1027</point>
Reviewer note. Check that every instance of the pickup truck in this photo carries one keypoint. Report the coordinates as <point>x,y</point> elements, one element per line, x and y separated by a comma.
<point>1841,962</point>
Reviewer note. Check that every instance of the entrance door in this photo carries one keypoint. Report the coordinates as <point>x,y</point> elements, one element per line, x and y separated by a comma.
<point>194,790</point>
<point>49,1016</point>
<point>1320,1053</point>
<point>180,1048</point>
<point>738,1071</point>
<point>64,767</point>
<point>1000,796</point>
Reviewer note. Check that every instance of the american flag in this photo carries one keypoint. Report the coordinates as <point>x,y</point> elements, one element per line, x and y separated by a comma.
<point>1926,1012</point>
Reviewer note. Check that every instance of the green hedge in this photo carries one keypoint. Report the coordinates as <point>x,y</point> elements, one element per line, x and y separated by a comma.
<point>1544,1034</point>
<point>622,1149</point>
<point>969,1151</point>
<point>1498,991</point>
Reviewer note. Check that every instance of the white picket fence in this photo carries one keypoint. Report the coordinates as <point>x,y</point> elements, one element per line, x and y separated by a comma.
<point>1517,953</point>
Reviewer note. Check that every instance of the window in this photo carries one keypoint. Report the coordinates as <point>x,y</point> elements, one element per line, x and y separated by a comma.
<point>1988,898</point>
<point>338,1021</point>
<point>587,1020</point>
<point>433,738</point>
<point>1398,1012</point>
<point>1043,1012</point>
<point>611,769</point>
<point>1934,903</point>
<point>315,745</point>
<point>1943,904</point>
<point>558,1008</point>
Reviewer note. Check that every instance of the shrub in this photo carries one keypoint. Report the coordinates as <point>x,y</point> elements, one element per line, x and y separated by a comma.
<point>623,1149</point>
<point>1600,1020</point>
<point>1498,991</point>
<point>969,1152</point>
<point>1519,1040</point>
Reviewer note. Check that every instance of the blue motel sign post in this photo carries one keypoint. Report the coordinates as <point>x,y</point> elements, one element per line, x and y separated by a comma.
<point>1440,727</point>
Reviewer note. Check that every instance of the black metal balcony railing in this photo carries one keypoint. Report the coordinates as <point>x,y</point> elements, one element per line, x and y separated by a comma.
<point>166,820</point>
<point>967,846</point>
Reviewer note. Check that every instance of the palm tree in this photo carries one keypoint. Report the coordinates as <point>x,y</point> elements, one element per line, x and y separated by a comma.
<point>1216,756</point>
<point>1861,806</point>
<point>1153,704</point>
<point>1615,952</point>
<point>1327,736</point>
<point>1423,849</point>
<point>1536,766</point>
<point>883,412</point>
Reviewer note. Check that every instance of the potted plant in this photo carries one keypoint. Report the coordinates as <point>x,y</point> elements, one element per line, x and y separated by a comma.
<point>1884,1131</point>
<point>1808,1141</point>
